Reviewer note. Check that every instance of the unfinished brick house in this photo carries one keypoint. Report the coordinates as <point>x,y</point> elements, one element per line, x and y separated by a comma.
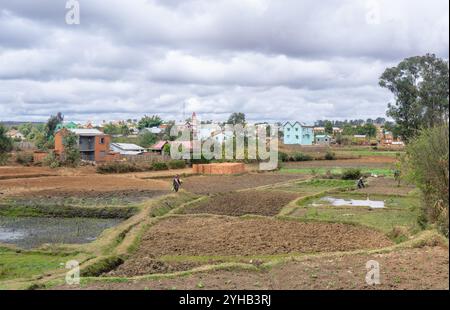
<point>94,145</point>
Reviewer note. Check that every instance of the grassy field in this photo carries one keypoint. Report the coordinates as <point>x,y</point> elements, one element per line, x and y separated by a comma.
<point>337,170</point>
<point>367,152</point>
<point>26,265</point>
<point>399,212</point>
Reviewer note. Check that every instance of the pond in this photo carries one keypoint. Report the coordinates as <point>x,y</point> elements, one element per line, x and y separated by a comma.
<point>31,232</point>
<point>374,204</point>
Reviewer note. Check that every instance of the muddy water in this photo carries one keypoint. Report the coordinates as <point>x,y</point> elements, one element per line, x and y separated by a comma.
<point>30,232</point>
<point>374,204</point>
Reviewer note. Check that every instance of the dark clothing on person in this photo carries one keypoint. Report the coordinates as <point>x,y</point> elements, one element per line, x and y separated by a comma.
<point>176,184</point>
<point>361,183</point>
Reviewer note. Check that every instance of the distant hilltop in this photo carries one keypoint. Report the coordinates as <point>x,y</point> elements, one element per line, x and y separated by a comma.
<point>16,123</point>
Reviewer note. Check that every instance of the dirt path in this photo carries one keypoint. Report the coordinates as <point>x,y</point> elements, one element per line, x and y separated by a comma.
<point>421,268</point>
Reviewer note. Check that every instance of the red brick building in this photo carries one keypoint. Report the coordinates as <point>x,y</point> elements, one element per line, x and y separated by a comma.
<point>94,145</point>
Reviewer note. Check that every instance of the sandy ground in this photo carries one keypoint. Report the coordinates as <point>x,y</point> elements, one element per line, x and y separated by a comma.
<point>421,268</point>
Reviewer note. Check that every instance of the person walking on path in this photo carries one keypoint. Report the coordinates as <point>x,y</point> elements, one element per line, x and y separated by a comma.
<point>176,183</point>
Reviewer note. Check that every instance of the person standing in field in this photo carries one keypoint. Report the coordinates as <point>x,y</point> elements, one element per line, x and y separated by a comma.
<point>360,183</point>
<point>176,183</point>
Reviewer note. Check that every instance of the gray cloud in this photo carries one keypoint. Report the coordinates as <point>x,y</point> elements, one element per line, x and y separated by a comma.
<point>274,60</point>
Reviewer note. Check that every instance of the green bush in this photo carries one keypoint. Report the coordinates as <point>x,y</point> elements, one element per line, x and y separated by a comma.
<point>3,158</point>
<point>283,156</point>
<point>160,166</point>
<point>118,167</point>
<point>6,145</point>
<point>176,164</point>
<point>72,155</point>
<point>51,160</point>
<point>301,157</point>
<point>24,158</point>
<point>330,155</point>
<point>351,174</point>
<point>426,165</point>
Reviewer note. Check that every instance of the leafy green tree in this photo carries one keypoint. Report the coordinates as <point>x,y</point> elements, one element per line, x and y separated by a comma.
<point>147,139</point>
<point>112,129</point>
<point>236,118</point>
<point>149,121</point>
<point>369,130</point>
<point>426,165</point>
<point>348,130</point>
<point>420,85</point>
<point>6,145</point>
<point>166,134</point>
<point>52,122</point>
<point>26,129</point>
<point>71,154</point>
<point>329,127</point>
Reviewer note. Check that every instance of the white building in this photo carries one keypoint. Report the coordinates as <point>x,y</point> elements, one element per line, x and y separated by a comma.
<point>127,148</point>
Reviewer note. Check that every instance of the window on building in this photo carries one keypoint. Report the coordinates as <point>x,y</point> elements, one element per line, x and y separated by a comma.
<point>102,140</point>
<point>296,129</point>
<point>288,136</point>
<point>289,129</point>
<point>296,137</point>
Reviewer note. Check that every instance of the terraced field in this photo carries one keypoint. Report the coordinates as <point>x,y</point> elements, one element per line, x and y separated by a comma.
<point>219,231</point>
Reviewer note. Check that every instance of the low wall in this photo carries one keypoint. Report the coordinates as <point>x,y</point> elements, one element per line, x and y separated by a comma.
<point>225,168</point>
<point>39,156</point>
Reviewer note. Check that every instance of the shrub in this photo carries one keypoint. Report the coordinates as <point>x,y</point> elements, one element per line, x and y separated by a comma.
<point>426,165</point>
<point>3,158</point>
<point>160,166</point>
<point>301,157</point>
<point>351,174</point>
<point>118,167</point>
<point>176,164</point>
<point>330,156</point>
<point>6,145</point>
<point>51,160</point>
<point>24,158</point>
<point>72,155</point>
<point>283,156</point>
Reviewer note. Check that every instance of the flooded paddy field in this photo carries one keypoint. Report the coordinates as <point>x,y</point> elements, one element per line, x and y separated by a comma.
<point>32,232</point>
<point>385,213</point>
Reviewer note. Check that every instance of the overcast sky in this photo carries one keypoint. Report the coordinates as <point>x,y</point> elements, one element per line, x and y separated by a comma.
<point>273,60</point>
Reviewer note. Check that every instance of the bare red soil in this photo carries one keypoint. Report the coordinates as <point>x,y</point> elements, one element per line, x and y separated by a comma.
<point>222,184</point>
<point>78,184</point>
<point>224,236</point>
<point>246,202</point>
<point>386,186</point>
<point>412,269</point>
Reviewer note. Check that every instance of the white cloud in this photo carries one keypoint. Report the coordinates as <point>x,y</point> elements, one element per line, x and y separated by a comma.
<point>274,60</point>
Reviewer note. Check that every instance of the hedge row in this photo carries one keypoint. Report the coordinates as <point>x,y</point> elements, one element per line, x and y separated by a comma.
<point>124,167</point>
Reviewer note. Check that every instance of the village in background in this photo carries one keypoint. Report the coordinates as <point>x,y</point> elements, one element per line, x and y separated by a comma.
<point>149,138</point>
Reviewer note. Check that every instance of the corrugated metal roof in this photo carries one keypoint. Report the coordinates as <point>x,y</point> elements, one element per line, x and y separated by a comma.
<point>159,145</point>
<point>128,146</point>
<point>86,132</point>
